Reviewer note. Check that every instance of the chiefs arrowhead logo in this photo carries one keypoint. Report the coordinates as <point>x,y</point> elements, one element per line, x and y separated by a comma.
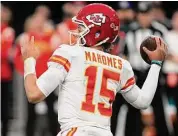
<point>96,18</point>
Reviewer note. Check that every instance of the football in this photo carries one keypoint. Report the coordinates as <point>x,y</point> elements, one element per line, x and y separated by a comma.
<point>150,43</point>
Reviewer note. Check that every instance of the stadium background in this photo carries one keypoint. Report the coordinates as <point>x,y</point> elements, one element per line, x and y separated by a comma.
<point>17,101</point>
<point>23,9</point>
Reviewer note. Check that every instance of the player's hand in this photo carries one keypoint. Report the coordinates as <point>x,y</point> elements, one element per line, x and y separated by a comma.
<point>161,50</point>
<point>28,48</point>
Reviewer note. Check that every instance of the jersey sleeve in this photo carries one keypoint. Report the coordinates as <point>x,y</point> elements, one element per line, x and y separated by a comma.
<point>127,79</point>
<point>61,57</point>
<point>50,79</point>
<point>58,68</point>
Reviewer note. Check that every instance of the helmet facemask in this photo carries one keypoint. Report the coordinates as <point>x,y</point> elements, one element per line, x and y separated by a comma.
<point>80,33</point>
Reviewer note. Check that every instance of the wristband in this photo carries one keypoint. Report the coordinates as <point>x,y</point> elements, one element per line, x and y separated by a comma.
<point>157,62</point>
<point>29,66</point>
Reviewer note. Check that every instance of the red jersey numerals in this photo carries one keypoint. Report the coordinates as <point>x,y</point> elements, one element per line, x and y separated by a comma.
<point>91,74</point>
<point>87,105</point>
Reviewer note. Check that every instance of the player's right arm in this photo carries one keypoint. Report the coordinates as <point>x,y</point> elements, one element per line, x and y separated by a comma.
<point>142,98</point>
<point>58,67</point>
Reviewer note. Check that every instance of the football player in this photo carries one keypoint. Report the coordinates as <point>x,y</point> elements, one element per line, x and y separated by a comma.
<point>88,76</point>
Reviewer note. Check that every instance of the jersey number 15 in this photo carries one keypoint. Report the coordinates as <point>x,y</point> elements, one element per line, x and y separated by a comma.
<point>87,105</point>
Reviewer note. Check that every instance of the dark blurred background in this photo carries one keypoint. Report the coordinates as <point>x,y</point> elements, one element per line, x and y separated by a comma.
<point>50,22</point>
<point>23,9</point>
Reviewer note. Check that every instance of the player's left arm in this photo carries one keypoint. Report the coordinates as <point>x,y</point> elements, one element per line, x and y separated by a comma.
<point>142,98</point>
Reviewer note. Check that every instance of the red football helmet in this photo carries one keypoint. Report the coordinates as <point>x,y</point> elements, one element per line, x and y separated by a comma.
<point>100,23</point>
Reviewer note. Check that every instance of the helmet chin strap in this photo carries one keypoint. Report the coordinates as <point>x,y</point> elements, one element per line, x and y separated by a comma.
<point>114,39</point>
<point>103,41</point>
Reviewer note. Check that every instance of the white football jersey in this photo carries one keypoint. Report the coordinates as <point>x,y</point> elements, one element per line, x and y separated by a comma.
<point>89,81</point>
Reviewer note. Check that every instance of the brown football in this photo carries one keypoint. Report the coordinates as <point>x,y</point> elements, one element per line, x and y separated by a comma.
<point>150,43</point>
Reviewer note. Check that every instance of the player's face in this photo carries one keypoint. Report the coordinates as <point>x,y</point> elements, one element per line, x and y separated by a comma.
<point>80,33</point>
<point>75,36</point>
<point>81,29</point>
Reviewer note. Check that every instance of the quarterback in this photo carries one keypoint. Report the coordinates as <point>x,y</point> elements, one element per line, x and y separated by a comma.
<point>88,76</point>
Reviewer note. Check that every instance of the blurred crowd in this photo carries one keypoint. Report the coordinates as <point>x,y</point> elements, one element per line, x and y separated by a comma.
<point>149,18</point>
